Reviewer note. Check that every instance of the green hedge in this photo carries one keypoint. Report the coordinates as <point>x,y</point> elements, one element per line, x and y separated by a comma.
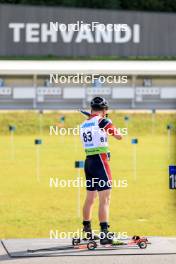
<point>146,5</point>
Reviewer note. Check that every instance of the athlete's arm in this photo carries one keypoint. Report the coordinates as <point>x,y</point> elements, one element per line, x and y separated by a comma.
<point>113,131</point>
<point>110,129</point>
<point>119,136</point>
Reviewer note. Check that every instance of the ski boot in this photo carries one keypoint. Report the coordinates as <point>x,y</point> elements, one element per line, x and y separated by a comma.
<point>87,230</point>
<point>106,237</point>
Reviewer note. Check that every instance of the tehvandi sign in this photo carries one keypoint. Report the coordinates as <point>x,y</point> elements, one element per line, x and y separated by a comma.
<point>31,30</point>
<point>75,32</point>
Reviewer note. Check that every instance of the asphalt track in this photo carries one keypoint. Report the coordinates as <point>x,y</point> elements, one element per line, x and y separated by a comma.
<point>161,251</point>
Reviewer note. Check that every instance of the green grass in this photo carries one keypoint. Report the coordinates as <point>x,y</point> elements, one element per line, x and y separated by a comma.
<point>29,208</point>
<point>28,123</point>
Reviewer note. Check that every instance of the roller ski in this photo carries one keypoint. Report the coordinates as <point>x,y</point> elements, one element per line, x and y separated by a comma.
<point>108,243</point>
<point>90,244</point>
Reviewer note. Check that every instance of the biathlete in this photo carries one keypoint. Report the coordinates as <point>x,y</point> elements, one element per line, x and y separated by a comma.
<point>94,132</point>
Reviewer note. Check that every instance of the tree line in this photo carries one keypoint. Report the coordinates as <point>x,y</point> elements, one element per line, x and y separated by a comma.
<point>143,5</point>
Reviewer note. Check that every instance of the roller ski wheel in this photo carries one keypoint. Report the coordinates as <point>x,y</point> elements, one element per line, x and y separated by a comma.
<point>142,244</point>
<point>92,245</point>
<point>76,241</point>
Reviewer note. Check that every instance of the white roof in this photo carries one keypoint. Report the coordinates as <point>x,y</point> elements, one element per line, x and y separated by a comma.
<point>22,67</point>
